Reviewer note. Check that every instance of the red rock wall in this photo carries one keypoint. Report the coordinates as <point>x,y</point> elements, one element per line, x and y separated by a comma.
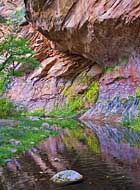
<point>44,87</point>
<point>82,36</point>
<point>98,30</point>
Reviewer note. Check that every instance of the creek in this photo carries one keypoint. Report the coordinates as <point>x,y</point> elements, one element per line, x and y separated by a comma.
<point>108,157</point>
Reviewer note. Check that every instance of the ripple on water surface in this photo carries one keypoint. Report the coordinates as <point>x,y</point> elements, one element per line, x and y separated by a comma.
<point>108,157</point>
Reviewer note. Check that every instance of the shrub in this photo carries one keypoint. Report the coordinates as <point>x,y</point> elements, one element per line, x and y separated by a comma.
<point>3,82</point>
<point>8,109</point>
<point>15,50</point>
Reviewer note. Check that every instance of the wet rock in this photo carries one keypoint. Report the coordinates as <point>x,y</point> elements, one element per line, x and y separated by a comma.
<point>34,118</point>
<point>34,150</point>
<point>10,123</point>
<point>13,165</point>
<point>10,7</point>
<point>13,150</point>
<point>1,171</point>
<point>45,126</point>
<point>67,177</point>
<point>15,142</point>
<point>32,143</point>
<point>56,160</point>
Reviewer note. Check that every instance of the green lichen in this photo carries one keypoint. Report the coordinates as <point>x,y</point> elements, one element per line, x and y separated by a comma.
<point>72,108</point>
<point>123,100</point>
<point>92,93</point>
<point>137,91</point>
<point>70,92</point>
<point>76,103</point>
<point>109,69</point>
<point>83,78</point>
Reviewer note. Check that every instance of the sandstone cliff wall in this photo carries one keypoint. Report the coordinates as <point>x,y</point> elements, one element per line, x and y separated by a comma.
<point>80,42</point>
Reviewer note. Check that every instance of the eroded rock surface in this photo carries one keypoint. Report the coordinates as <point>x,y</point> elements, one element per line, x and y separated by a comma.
<point>98,30</point>
<point>83,42</point>
<point>46,86</point>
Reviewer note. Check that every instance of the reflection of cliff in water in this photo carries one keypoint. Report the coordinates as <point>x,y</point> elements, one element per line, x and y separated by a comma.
<point>120,143</point>
<point>107,157</point>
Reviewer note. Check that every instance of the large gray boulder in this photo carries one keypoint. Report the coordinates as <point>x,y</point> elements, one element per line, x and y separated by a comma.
<point>67,177</point>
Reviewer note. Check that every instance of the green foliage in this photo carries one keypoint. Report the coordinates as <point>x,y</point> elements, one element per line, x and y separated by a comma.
<point>83,78</point>
<point>8,109</point>
<point>70,92</point>
<point>109,69</point>
<point>69,123</point>
<point>138,91</point>
<point>92,93</point>
<point>28,133</point>
<point>64,112</point>
<point>133,124</point>
<point>2,20</point>
<point>3,82</point>
<point>37,113</point>
<point>131,98</point>
<point>77,104</point>
<point>70,109</point>
<point>15,50</point>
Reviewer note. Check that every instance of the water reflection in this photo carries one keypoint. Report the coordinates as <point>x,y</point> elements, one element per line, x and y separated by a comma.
<point>108,157</point>
<point>121,143</point>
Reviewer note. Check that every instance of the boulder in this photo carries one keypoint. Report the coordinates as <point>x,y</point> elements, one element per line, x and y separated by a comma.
<point>46,126</point>
<point>67,177</point>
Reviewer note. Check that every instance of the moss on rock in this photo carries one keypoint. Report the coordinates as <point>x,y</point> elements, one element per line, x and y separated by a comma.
<point>92,93</point>
<point>138,91</point>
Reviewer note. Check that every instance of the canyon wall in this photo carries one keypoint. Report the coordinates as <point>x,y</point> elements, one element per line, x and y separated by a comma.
<point>83,44</point>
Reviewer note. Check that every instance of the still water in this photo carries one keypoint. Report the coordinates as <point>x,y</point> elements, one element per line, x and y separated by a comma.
<point>108,157</point>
